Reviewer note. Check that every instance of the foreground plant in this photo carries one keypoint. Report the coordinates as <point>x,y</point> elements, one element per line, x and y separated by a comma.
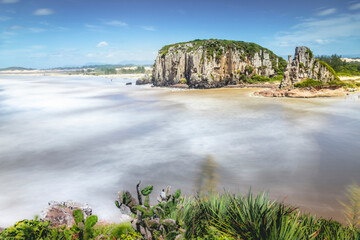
<point>82,228</point>
<point>256,217</point>
<point>352,206</point>
<point>160,221</point>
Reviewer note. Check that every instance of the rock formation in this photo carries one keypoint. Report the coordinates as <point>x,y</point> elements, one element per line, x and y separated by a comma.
<point>62,213</point>
<point>304,66</point>
<point>145,80</point>
<point>213,63</point>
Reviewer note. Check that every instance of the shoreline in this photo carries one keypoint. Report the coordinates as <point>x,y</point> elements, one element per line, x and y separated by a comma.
<point>66,74</point>
<point>266,89</point>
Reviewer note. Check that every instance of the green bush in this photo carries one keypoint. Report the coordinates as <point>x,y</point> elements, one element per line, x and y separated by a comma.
<point>330,69</point>
<point>26,230</point>
<point>183,81</point>
<point>117,231</point>
<point>249,69</point>
<point>311,83</point>
<point>308,51</point>
<point>342,68</point>
<point>260,79</point>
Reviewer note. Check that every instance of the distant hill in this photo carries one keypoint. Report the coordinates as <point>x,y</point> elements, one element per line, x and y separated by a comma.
<point>15,69</point>
<point>102,66</point>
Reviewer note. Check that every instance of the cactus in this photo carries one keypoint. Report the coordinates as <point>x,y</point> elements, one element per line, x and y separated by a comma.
<point>154,220</point>
<point>146,191</point>
<point>91,221</point>
<point>83,228</point>
<point>126,199</point>
<point>78,216</point>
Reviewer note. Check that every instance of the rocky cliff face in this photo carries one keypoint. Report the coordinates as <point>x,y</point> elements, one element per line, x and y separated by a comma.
<point>213,63</point>
<point>304,66</point>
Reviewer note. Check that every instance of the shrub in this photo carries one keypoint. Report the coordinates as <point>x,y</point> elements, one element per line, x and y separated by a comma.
<point>249,69</point>
<point>330,69</point>
<point>27,229</point>
<point>308,51</point>
<point>309,83</point>
<point>183,81</point>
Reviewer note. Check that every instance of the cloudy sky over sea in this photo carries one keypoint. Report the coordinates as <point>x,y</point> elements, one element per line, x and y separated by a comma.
<point>50,33</point>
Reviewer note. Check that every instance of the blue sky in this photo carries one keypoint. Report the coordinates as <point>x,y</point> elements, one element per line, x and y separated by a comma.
<point>55,33</point>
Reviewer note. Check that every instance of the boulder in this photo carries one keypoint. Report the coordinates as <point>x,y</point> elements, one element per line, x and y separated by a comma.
<point>60,213</point>
<point>144,80</point>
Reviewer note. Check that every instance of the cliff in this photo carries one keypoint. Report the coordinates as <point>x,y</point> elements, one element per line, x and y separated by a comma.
<point>304,66</point>
<point>214,63</point>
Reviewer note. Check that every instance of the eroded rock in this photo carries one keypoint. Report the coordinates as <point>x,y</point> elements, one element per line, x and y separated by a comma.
<point>213,63</point>
<point>60,213</point>
<point>144,80</point>
<point>304,66</point>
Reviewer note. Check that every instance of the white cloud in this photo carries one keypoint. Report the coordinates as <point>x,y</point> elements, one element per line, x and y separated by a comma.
<point>320,31</point>
<point>16,27</point>
<point>37,47</point>
<point>113,55</point>
<point>36,30</point>
<point>4,18</point>
<point>94,28</point>
<point>43,12</point>
<point>116,23</point>
<point>355,6</point>
<point>102,44</point>
<point>9,1</point>
<point>326,12</point>
<point>149,28</point>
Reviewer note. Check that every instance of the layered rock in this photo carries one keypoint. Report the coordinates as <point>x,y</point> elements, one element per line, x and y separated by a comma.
<point>304,66</point>
<point>213,63</point>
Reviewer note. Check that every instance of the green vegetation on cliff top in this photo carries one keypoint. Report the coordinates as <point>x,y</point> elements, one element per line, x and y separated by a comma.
<point>217,46</point>
<point>341,67</point>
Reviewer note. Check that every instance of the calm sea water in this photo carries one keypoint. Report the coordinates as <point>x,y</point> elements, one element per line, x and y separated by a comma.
<point>86,138</point>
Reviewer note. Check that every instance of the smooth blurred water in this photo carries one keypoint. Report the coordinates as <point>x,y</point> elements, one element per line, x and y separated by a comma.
<point>86,138</point>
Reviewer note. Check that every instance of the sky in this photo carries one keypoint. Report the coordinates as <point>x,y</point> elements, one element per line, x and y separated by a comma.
<point>62,33</point>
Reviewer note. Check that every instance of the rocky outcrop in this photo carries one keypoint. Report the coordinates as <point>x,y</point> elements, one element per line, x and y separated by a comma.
<point>301,93</point>
<point>304,66</point>
<point>144,80</point>
<point>60,213</point>
<point>213,63</point>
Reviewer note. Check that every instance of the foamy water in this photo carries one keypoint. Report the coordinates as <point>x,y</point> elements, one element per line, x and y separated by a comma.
<point>86,138</point>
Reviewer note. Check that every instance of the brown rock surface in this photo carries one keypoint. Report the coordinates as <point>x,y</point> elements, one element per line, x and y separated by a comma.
<point>301,93</point>
<point>62,213</point>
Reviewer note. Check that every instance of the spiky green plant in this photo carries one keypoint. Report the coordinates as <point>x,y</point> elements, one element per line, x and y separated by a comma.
<point>352,206</point>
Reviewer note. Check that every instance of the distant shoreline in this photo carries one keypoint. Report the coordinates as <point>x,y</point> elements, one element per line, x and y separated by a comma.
<point>66,74</point>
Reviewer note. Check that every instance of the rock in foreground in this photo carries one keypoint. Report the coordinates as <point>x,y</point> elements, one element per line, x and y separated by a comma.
<point>62,213</point>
